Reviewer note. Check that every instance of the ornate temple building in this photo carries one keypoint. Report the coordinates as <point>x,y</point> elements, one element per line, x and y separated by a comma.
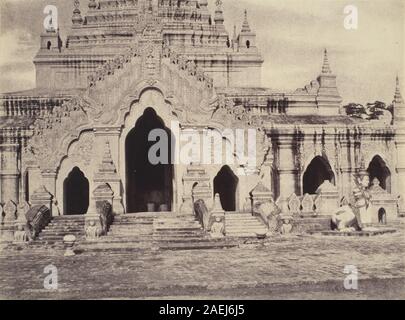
<point>131,66</point>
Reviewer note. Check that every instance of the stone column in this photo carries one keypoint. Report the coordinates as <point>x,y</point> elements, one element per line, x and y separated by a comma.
<point>400,143</point>
<point>286,167</point>
<point>347,169</point>
<point>9,173</point>
<point>266,171</point>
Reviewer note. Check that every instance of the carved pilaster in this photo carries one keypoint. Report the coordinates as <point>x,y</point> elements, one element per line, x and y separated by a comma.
<point>287,168</point>
<point>107,173</point>
<point>347,168</point>
<point>9,172</point>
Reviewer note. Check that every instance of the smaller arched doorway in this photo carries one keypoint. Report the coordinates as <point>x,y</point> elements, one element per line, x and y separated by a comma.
<point>316,173</point>
<point>378,169</point>
<point>382,216</point>
<point>226,184</point>
<point>75,193</point>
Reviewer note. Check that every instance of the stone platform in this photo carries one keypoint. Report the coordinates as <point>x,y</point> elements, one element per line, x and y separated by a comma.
<point>312,224</point>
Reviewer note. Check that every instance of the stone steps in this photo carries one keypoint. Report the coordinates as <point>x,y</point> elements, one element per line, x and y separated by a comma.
<point>164,232</point>
<point>62,229</point>
<point>200,246</point>
<point>130,223</point>
<point>243,225</point>
<point>134,230</point>
<point>59,227</point>
<point>146,231</point>
<point>184,233</point>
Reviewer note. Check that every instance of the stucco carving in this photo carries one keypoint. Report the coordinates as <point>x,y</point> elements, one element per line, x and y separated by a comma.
<point>53,133</point>
<point>82,152</point>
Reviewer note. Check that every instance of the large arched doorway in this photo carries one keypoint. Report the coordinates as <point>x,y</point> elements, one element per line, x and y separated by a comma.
<point>75,193</point>
<point>378,169</point>
<point>225,184</point>
<point>149,186</point>
<point>317,172</point>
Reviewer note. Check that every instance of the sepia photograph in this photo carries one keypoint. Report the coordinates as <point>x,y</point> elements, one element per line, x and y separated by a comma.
<point>202,150</point>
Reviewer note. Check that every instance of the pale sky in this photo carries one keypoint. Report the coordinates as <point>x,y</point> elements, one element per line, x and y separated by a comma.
<point>291,37</point>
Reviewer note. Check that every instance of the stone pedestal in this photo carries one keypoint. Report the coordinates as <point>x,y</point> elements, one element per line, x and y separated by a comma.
<point>99,219</point>
<point>22,209</point>
<point>264,207</point>
<point>384,206</point>
<point>330,198</point>
<point>203,191</point>
<point>42,196</point>
<point>217,218</point>
<point>195,175</point>
<point>307,206</point>
<point>7,228</point>
<point>260,194</point>
<point>103,192</point>
<point>20,233</point>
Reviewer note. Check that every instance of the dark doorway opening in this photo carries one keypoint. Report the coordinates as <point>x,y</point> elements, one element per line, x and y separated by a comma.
<point>382,216</point>
<point>75,193</point>
<point>27,186</point>
<point>378,169</point>
<point>317,172</point>
<point>149,186</point>
<point>225,184</point>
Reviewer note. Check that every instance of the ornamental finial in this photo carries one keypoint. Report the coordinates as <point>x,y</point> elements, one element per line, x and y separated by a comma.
<point>326,66</point>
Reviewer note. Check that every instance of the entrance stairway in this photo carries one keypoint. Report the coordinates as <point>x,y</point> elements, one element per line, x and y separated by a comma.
<point>130,231</point>
<point>147,231</point>
<point>183,232</point>
<point>243,225</point>
<point>53,233</point>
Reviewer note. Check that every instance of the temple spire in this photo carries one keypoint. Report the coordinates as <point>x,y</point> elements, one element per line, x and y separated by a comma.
<point>246,26</point>
<point>77,17</point>
<point>398,104</point>
<point>92,4</point>
<point>107,164</point>
<point>326,67</point>
<point>234,38</point>
<point>398,97</point>
<point>203,3</point>
<point>219,15</point>
<point>328,97</point>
